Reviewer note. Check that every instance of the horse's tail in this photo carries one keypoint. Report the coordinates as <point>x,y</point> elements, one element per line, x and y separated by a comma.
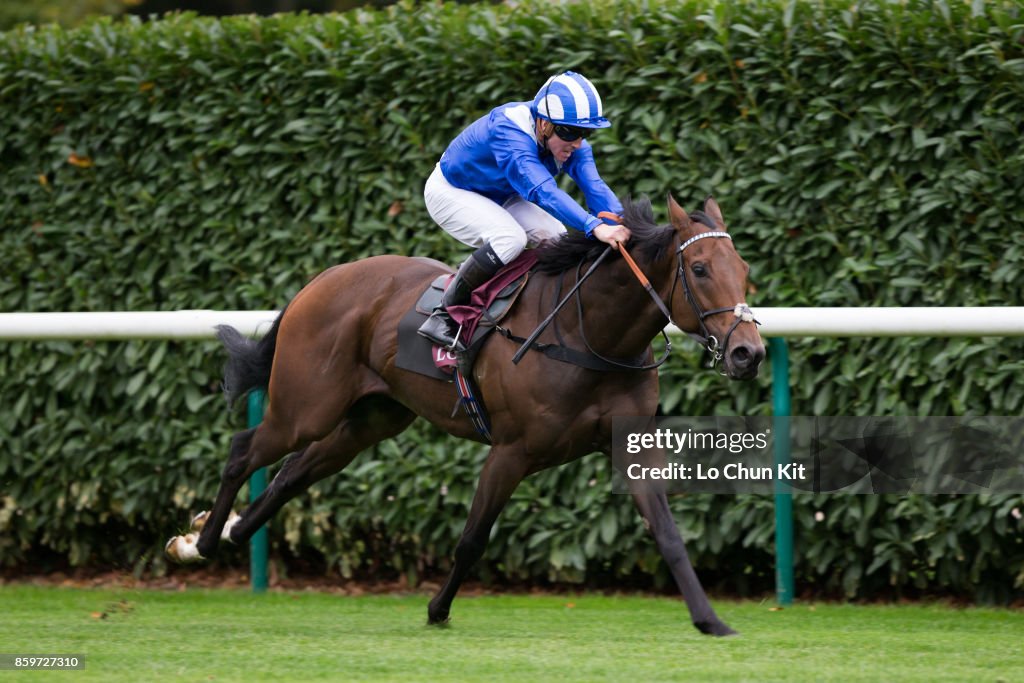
<point>249,360</point>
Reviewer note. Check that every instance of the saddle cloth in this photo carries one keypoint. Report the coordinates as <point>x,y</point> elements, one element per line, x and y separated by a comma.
<point>488,305</point>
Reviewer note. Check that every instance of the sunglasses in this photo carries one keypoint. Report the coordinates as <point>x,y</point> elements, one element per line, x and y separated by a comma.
<point>572,133</point>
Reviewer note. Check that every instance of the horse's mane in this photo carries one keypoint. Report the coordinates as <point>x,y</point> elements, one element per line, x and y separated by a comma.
<point>649,240</point>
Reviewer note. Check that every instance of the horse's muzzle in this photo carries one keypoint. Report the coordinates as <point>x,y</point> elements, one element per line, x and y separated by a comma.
<point>743,360</point>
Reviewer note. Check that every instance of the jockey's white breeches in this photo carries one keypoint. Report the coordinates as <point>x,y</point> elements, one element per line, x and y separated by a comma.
<point>475,220</point>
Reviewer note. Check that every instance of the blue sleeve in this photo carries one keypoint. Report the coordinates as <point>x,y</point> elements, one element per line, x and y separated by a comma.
<point>517,157</point>
<point>582,169</point>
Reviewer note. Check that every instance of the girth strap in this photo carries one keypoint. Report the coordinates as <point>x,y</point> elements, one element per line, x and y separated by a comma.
<point>566,355</point>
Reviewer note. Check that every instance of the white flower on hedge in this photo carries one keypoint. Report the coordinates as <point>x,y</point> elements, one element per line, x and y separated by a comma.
<point>819,516</point>
<point>1015,512</point>
<point>444,490</point>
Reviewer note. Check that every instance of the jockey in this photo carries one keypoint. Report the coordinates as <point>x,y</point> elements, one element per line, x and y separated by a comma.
<point>494,188</point>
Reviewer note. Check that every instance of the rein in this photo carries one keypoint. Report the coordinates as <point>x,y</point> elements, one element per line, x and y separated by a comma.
<point>530,342</point>
<point>657,299</point>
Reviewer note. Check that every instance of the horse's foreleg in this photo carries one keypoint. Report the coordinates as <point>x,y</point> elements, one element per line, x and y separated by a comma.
<point>502,472</point>
<point>653,505</point>
<point>373,419</point>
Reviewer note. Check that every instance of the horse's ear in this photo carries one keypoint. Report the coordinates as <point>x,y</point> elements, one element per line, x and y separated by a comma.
<point>712,209</point>
<point>679,218</point>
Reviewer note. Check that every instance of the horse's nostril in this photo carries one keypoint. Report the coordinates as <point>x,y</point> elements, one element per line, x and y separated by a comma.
<point>741,356</point>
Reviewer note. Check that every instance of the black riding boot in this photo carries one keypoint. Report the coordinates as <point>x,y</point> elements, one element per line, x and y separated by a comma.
<point>475,271</point>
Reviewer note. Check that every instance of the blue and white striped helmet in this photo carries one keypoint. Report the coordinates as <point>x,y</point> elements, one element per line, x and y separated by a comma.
<point>572,100</point>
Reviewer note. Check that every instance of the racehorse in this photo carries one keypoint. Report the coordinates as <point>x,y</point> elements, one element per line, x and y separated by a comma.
<point>334,388</point>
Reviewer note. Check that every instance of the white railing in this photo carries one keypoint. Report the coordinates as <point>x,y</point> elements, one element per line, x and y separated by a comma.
<point>1005,321</point>
<point>131,325</point>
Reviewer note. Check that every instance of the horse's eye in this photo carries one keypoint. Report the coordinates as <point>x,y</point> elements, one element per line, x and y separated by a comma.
<point>699,270</point>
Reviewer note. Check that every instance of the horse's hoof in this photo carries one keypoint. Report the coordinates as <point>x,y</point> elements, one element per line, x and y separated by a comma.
<point>435,617</point>
<point>439,623</point>
<point>199,521</point>
<point>234,519</point>
<point>182,549</point>
<point>714,628</point>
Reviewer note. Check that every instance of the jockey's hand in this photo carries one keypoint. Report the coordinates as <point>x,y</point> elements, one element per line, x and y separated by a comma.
<point>612,234</point>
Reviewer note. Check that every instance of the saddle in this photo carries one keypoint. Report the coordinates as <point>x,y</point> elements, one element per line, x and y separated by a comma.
<point>489,304</point>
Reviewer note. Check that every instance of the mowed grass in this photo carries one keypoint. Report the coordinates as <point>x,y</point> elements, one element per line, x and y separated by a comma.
<point>231,635</point>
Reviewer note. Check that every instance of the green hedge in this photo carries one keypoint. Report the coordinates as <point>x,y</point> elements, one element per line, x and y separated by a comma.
<point>865,154</point>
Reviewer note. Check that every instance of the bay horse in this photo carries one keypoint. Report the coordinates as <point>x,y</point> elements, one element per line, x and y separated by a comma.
<point>334,389</point>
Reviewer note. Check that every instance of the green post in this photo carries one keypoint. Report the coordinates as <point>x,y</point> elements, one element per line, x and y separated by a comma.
<point>784,584</point>
<point>257,485</point>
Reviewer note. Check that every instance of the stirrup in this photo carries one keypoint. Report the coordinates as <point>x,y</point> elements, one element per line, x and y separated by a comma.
<point>453,345</point>
<point>456,346</point>
<point>441,318</point>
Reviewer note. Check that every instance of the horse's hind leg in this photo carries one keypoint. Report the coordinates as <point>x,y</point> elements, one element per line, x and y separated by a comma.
<point>372,419</point>
<point>250,450</point>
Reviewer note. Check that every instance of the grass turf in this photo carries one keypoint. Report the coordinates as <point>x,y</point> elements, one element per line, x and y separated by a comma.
<point>225,635</point>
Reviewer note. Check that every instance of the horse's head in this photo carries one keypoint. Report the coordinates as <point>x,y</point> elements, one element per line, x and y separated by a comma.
<point>713,279</point>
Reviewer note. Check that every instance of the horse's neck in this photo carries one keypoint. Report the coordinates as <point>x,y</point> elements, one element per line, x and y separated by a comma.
<point>619,318</point>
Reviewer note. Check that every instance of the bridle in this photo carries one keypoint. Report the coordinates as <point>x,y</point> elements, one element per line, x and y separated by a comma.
<point>741,310</point>
<point>711,344</point>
